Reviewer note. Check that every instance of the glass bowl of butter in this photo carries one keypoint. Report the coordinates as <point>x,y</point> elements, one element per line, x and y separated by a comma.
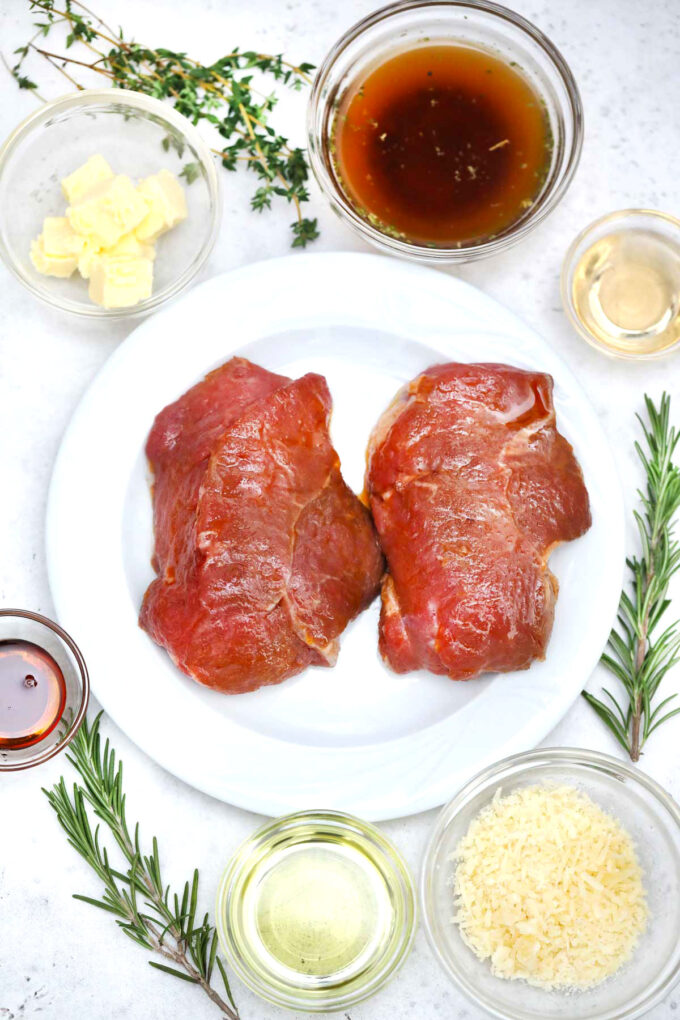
<point>110,203</point>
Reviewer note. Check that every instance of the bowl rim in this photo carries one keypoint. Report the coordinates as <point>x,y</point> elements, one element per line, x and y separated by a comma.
<point>569,264</point>
<point>149,104</point>
<point>65,637</point>
<point>518,764</point>
<point>419,252</point>
<point>240,861</point>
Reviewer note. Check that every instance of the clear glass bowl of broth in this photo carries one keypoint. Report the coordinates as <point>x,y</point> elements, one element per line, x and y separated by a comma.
<point>44,689</point>
<point>444,130</point>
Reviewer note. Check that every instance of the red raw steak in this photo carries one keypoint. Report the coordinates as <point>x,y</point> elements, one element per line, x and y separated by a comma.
<point>263,553</point>
<point>471,486</point>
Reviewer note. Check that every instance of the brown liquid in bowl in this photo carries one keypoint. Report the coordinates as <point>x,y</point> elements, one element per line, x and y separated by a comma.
<point>442,145</point>
<point>32,694</point>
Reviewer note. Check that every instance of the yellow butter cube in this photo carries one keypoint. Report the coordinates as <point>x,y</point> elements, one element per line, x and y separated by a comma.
<point>109,230</point>
<point>111,210</point>
<point>87,177</point>
<point>167,205</point>
<point>51,265</point>
<point>88,254</point>
<point>130,245</point>
<point>59,237</point>
<point>118,281</point>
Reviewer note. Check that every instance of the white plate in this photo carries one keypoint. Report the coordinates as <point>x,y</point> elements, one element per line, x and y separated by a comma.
<point>356,737</point>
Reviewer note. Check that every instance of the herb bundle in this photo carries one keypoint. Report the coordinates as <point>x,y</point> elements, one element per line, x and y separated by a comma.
<point>637,654</point>
<point>221,94</point>
<point>137,897</point>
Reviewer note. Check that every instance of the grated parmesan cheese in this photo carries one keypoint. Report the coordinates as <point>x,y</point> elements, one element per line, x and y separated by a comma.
<point>548,888</point>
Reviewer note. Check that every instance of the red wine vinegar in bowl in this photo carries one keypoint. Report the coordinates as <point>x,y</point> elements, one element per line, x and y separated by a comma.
<point>44,689</point>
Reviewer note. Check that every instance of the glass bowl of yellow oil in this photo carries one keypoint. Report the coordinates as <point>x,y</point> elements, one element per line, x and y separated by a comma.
<point>316,911</point>
<point>621,283</point>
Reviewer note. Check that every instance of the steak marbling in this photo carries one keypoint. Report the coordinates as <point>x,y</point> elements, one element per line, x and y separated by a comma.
<point>263,552</point>
<point>471,486</point>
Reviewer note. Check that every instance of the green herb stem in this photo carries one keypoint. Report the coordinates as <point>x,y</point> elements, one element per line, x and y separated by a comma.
<point>142,904</point>
<point>636,653</point>
<point>221,94</point>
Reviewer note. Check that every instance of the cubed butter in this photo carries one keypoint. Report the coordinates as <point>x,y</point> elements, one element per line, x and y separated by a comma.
<point>118,281</point>
<point>51,265</point>
<point>111,210</point>
<point>89,252</point>
<point>109,230</point>
<point>59,237</point>
<point>167,205</point>
<point>130,245</point>
<point>87,177</point>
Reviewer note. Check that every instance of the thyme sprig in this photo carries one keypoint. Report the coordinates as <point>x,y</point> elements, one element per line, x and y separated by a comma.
<point>144,908</point>
<point>637,655</point>
<point>221,94</point>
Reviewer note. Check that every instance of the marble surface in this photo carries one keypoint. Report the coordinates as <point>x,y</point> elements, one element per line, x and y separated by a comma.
<point>58,958</point>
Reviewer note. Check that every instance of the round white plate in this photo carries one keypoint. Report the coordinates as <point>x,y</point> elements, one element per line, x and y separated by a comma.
<point>356,737</point>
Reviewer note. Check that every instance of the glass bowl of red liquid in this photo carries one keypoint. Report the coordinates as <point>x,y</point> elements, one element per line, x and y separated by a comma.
<point>44,689</point>
<point>444,130</point>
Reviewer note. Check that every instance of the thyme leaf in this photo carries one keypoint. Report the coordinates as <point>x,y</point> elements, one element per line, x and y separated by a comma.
<point>221,95</point>
<point>190,171</point>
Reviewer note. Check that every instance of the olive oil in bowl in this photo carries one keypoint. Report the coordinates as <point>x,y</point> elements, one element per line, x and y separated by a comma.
<point>316,911</point>
<point>621,283</point>
<point>319,911</point>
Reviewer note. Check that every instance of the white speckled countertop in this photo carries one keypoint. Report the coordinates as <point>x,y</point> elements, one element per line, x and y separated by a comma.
<point>60,959</point>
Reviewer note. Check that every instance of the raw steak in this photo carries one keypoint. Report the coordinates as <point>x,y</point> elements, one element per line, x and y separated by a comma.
<point>263,553</point>
<point>471,486</point>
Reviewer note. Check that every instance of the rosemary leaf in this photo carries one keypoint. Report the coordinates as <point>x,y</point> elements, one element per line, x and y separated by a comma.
<point>96,903</point>
<point>171,970</point>
<point>638,657</point>
<point>191,950</point>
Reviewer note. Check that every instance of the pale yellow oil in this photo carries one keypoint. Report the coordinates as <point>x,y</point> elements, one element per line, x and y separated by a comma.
<point>626,292</point>
<point>321,911</point>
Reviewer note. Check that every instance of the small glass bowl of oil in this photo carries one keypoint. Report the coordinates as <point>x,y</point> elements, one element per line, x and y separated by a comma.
<point>621,283</point>
<point>44,689</point>
<point>316,911</point>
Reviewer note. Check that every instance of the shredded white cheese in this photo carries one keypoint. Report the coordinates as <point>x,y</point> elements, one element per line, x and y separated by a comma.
<point>548,888</point>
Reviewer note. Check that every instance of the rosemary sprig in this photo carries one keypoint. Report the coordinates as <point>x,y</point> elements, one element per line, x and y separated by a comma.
<point>636,655</point>
<point>137,896</point>
<point>221,94</point>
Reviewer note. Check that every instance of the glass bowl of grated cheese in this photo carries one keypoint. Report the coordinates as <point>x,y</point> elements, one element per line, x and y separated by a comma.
<point>550,888</point>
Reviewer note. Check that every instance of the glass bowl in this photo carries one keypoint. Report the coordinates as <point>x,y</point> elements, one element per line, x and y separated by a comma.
<point>661,235</point>
<point>22,625</point>
<point>316,863</point>
<point>651,817</point>
<point>138,136</point>
<point>475,23</point>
